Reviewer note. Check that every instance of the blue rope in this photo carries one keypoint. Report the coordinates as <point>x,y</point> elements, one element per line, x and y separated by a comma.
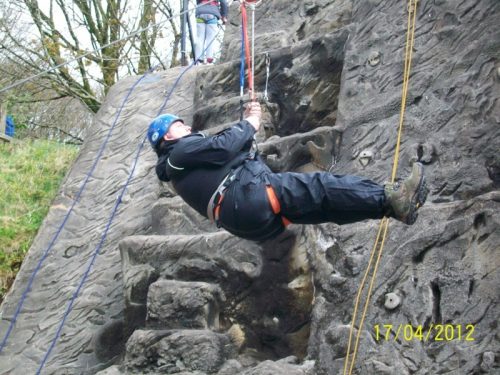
<point>75,201</point>
<point>110,221</point>
<point>160,111</point>
<point>242,63</point>
<point>93,259</point>
<point>66,217</point>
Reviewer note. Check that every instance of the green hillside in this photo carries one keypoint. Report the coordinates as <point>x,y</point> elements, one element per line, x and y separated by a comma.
<point>30,174</point>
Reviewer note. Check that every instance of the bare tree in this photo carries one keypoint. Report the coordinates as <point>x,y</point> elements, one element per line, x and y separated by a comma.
<point>145,49</point>
<point>167,10</point>
<point>62,30</point>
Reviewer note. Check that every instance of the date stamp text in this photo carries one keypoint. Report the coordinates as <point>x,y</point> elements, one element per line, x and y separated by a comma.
<point>434,332</point>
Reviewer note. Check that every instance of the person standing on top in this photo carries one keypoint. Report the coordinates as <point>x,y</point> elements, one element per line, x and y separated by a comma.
<point>208,14</point>
<point>221,178</point>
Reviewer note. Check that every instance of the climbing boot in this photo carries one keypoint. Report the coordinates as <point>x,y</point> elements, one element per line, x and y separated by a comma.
<point>404,198</point>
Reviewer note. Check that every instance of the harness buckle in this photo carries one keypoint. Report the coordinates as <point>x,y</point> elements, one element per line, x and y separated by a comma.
<point>213,208</point>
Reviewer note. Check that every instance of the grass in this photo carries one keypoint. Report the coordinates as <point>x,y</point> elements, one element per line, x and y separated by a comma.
<point>30,174</point>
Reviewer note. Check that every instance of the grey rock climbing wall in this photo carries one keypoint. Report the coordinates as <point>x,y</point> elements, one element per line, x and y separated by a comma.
<point>284,307</point>
<point>93,333</point>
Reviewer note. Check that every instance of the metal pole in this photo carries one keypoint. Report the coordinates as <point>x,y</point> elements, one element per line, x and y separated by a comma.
<point>184,7</point>
<point>191,38</point>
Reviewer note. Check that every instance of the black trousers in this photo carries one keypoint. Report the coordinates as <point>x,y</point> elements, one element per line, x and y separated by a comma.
<point>305,198</point>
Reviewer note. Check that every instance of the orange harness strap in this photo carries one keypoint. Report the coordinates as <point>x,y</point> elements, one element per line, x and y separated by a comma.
<point>275,204</point>
<point>217,208</point>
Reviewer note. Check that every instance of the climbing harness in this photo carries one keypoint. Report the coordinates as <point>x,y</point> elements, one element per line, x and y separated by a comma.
<point>384,223</point>
<point>215,202</point>
<point>213,208</point>
<point>105,232</point>
<point>275,204</point>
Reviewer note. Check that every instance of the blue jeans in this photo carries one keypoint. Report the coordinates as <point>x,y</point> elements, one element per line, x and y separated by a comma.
<point>206,30</point>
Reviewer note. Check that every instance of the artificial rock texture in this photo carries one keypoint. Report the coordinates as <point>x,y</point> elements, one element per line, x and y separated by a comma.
<point>284,307</point>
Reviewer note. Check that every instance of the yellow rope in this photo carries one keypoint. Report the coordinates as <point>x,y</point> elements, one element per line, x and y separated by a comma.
<point>384,224</point>
<point>410,38</point>
<point>358,297</point>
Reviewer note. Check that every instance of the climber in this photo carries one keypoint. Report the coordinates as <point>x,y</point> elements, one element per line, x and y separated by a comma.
<point>221,178</point>
<point>208,14</point>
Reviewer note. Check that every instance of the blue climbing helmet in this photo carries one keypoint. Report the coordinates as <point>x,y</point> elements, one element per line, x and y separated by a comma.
<point>159,127</point>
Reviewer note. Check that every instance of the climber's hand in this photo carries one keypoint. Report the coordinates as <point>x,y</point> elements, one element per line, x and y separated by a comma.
<point>253,114</point>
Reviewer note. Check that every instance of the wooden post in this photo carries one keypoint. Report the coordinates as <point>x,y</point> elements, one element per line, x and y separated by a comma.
<point>3,118</point>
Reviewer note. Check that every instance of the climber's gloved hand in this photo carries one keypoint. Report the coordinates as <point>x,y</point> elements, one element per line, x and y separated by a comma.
<point>253,114</point>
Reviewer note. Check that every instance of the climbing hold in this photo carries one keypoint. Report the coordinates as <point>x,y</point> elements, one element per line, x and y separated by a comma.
<point>365,157</point>
<point>304,102</point>
<point>381,368</point>
<point>237,335</point>
<point>269,130</point>
<point>336,279</point>
<point>300,282</point>
<point>321,155</point>
<point>424,153</point>
<point>272,158</point>
<point>428,153</point>
<point>353,263</point>
<point>270,323</point>
<point>337,336</point>
<point>374,58</point>
<point>392,300</point>
<point>498,72</point>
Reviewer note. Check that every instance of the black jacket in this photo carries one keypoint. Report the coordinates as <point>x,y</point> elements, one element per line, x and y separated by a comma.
<point>196,165</point>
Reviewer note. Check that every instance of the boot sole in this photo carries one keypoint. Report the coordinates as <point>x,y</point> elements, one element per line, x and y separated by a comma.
<point>417,200</point>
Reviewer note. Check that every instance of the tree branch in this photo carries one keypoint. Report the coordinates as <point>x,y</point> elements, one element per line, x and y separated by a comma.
<point>80,140</point>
